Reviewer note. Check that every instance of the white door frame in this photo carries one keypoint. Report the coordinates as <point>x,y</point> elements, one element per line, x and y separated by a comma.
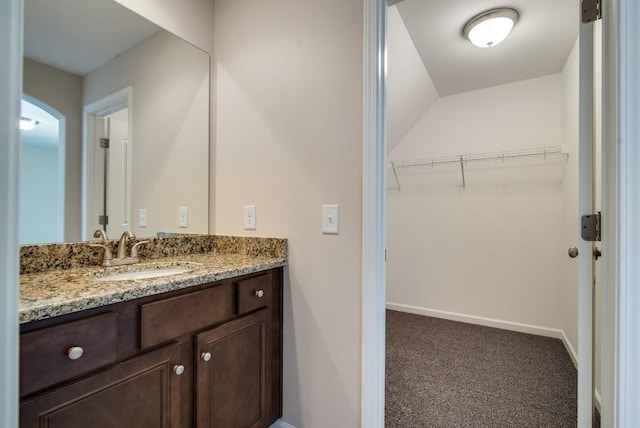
<point>374,216</point>
<point>621,201</point>
<point>10,96</point>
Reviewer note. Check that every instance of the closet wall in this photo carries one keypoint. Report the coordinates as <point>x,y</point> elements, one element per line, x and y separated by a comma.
<point>491,252</point>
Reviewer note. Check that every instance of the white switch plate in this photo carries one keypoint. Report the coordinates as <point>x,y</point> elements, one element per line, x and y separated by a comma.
<point>183,217</point>
<point>249,217</point>
<point>142,217</point>
<point>331,219</point>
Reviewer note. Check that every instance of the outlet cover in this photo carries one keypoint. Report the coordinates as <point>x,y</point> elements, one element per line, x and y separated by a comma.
<point>249,217</point>
<point>142,217</point>
<point>183,219</point>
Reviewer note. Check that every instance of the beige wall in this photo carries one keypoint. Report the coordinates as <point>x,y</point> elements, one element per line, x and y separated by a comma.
<point>63,91</point>
<point>193,21</point>
<point>170,81</point>
<point>289,139</point>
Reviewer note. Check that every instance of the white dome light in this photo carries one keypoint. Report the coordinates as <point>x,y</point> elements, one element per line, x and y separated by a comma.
<point>27,124</point>
<point>491,27</point>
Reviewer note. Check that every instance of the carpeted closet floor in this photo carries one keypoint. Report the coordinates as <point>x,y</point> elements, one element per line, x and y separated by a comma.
<point>448,374</point>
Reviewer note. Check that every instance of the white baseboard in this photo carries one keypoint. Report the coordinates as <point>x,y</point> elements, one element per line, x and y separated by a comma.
<point>598,401</point>
<point>472,319</point>
<point>281,424</point>
<point>570,349</point>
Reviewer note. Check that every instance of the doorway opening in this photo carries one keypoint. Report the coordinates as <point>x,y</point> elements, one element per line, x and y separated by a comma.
<point>42,173</point>
<point>483,177</point>
<point>107,165</point>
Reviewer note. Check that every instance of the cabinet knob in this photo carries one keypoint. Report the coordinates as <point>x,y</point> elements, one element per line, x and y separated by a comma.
<point>259,293</point>
<point>178,369</point>
<point>75,352</point>
<point>206,356</point>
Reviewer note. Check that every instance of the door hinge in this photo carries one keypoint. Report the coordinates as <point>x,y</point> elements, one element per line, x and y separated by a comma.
<point>591,227</point>
<point>104,143</point>
<point>103,220</point>
<point>591,10</point>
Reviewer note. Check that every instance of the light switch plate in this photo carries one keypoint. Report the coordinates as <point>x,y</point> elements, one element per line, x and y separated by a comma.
<point>331,219</point>
<point>249,217</point>
<point>142,217</point>
<point>182,217</point>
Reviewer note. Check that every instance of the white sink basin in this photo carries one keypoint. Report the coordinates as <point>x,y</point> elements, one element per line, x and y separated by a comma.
<point>144,274</point>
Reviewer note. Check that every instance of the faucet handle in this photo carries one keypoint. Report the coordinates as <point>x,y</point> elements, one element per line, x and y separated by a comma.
<point>134,249</point>
<point>108,256</point>
<point>99,233</point>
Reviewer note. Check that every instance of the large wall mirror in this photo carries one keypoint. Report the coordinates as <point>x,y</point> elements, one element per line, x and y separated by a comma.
<point>116,125</point>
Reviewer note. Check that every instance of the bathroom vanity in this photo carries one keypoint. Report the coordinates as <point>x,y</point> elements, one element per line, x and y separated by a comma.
<point>202,348</point>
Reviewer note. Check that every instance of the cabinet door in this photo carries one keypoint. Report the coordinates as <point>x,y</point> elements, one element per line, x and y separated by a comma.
<point>232,373</point>
<point>143,392</point>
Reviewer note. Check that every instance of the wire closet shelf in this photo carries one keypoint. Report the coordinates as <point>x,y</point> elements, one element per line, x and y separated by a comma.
<point>529,156</point>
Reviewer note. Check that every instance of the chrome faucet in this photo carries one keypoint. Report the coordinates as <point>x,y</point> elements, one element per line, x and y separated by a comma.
<point>122,245</point>
<point>121,258</point>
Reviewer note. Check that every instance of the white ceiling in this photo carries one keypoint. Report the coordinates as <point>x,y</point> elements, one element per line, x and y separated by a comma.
<point>79,36</point>
<point>538,45</point>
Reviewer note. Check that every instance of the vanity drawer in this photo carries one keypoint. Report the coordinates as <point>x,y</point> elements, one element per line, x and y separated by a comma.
<point>65,351</point>
<point>254,293</point>
<point>171,318</point>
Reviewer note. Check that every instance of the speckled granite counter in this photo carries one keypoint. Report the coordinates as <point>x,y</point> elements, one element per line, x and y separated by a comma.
<point>53,291</point>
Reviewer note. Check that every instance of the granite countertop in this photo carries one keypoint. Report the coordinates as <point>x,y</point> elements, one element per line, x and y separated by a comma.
<point>58,292</point>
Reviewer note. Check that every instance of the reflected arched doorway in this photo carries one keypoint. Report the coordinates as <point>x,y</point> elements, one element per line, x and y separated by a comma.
<point>42,166</point>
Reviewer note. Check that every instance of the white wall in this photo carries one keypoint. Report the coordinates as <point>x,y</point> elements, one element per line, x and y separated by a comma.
<point>410,91</point>
<point>170,150</point>
<point>495,249</point>
<point>38,194</point>
<point>289,139</point>
<point>62,91</point>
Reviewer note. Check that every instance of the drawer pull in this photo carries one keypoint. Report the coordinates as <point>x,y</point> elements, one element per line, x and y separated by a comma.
<point>259,293</point>
<point>206,356</point>
<point>75,352</point>
<point>178,369</point>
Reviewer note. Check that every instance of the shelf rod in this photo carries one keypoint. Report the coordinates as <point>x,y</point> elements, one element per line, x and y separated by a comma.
<point>395,174</point>
<point>502,156</point>
<point>464,184</point>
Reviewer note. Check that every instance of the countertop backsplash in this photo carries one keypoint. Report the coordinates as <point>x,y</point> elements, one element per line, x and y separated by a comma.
<point>70,255</point>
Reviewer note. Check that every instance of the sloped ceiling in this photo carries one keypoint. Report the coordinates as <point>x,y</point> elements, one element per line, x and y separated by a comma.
<point>538,45</point>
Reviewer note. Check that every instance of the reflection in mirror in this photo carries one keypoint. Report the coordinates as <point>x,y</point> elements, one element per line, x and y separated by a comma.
<point>108,73</point>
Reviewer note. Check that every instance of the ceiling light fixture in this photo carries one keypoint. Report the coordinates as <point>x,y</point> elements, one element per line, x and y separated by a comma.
<point>27,124</point>
<point>491,27</point>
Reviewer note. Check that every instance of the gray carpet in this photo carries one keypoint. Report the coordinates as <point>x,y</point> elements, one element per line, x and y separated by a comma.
<point>443,373</point>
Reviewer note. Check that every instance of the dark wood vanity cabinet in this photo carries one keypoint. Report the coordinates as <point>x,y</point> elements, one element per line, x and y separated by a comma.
<point>233,373</point>
<point>141,392</point>
<point>208,356</point>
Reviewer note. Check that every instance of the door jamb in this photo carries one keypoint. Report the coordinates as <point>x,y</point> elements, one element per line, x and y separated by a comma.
<point>373,216</point>
<point>10,95</point>
<point>621,200</point>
